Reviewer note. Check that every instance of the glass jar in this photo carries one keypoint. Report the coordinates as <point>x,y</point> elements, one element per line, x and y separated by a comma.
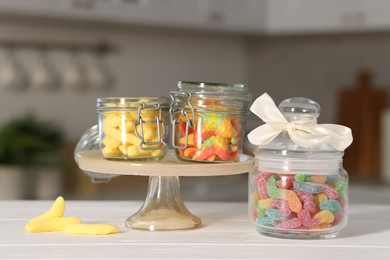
<point>208,120</point>
<point>297,192</point>
<point>133,128</point>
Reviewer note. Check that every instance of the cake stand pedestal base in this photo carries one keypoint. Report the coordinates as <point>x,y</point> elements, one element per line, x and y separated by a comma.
<point>163,208</point>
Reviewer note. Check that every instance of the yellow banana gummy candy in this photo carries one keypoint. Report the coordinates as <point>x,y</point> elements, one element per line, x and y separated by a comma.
<point>56,210</point>
<point>91,229</point>
<point>51,224</point>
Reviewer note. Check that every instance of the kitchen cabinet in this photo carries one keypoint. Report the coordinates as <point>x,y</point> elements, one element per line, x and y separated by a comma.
<point>223,15</point>
<point>263,17</point>
<point>307,16</point>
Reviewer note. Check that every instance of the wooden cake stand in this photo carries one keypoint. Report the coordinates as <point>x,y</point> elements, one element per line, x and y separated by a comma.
<point>163,208</point>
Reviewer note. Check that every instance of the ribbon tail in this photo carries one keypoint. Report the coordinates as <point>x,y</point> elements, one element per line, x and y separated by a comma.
<point>340,137</point>
<point>262,135</point>
<point>307,140</point>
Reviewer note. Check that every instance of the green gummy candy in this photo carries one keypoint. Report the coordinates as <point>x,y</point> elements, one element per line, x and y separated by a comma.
<point>272,189</point>
<point>300,177</point>
<point>261,212</point>
<point>340,187</point>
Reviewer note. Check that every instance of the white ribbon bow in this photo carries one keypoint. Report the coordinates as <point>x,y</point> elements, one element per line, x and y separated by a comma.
<point>306,132</point>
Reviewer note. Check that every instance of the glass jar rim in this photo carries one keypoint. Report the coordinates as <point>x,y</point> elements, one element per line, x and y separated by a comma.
<point>124,103</point>
<point>201,86</point>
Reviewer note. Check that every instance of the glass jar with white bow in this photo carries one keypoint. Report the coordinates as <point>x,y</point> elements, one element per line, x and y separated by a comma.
<point>298,187</point>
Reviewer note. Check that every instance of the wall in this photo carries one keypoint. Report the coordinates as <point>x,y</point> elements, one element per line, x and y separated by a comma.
<point>148,62</point>
<point>316,66</point>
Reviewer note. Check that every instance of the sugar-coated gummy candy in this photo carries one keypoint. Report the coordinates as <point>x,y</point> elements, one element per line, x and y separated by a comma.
<point>213,137</point>
<point>319,179</point>
<point>331,205</point>
<point>291,223</point>
<point>312,188</point>
<point>293,200</point>
<point>340,186</point>
<point>267,221</point>
<point>280,204</point>
<point>261,213</point>
<point>300,177</point>
<point>274,192</point>
<point>307,201</point>
<point>306,219</point>
<point>330,192</point>
<point>319,198</point>
<point>297,201</point>
<point>274,214</point>
<point>265,203</point>
<point>261,182</point>
<point>325,216</point>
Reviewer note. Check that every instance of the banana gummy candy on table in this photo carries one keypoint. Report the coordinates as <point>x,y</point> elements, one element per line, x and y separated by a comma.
<point>133,128</point>
<point>298,187</point>
<point>54,221</point>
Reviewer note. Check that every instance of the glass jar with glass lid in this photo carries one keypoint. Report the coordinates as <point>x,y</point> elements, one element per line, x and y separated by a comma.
<point>133,128</point>
<point>298,187</point>
<point>208,120</point>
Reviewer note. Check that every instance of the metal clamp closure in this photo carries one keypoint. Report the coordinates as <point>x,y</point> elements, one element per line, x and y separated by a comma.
<point>185,111</point>
<point>161,132</point>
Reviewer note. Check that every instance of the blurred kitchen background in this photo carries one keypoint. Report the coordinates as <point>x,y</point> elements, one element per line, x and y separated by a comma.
<point>58,56</point>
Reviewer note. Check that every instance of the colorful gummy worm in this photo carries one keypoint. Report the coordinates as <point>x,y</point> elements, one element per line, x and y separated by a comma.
<point>214,137</point>
<point>295,201</point>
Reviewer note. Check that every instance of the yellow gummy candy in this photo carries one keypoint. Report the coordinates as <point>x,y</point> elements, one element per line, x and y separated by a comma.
<point>135,151</point>
<point>91,229</point>
<point>128,126</point>
<point>112,121</point>
<point>110,142</point>
<point>265,203</point>
<point>51,224</point>
<point>107,152</point>
<point>226,129</point>
<point>319,198</point>
<point>325,216</point>
<point>56,210</point>
<point>148,132</point>
<point>156,153</point>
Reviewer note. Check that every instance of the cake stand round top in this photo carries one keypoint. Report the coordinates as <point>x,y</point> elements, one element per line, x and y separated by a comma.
<point>93,161</point>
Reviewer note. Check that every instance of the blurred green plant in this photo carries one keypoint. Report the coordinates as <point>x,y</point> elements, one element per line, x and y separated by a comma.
<point>30,141</point>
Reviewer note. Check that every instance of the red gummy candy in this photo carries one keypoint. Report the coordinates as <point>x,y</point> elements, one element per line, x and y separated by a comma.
<point>330,192</point>
<point>205,153</point>
<point>289,224</point>
<point>222,154</point>
<point>307,201</point>
<point>282,205</point>
<point>203,136</point>
<point>261,182</point>
<point>307,220</point>
<point>233,156</point>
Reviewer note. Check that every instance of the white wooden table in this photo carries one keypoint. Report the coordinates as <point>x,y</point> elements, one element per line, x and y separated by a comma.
<point>226,234</point>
